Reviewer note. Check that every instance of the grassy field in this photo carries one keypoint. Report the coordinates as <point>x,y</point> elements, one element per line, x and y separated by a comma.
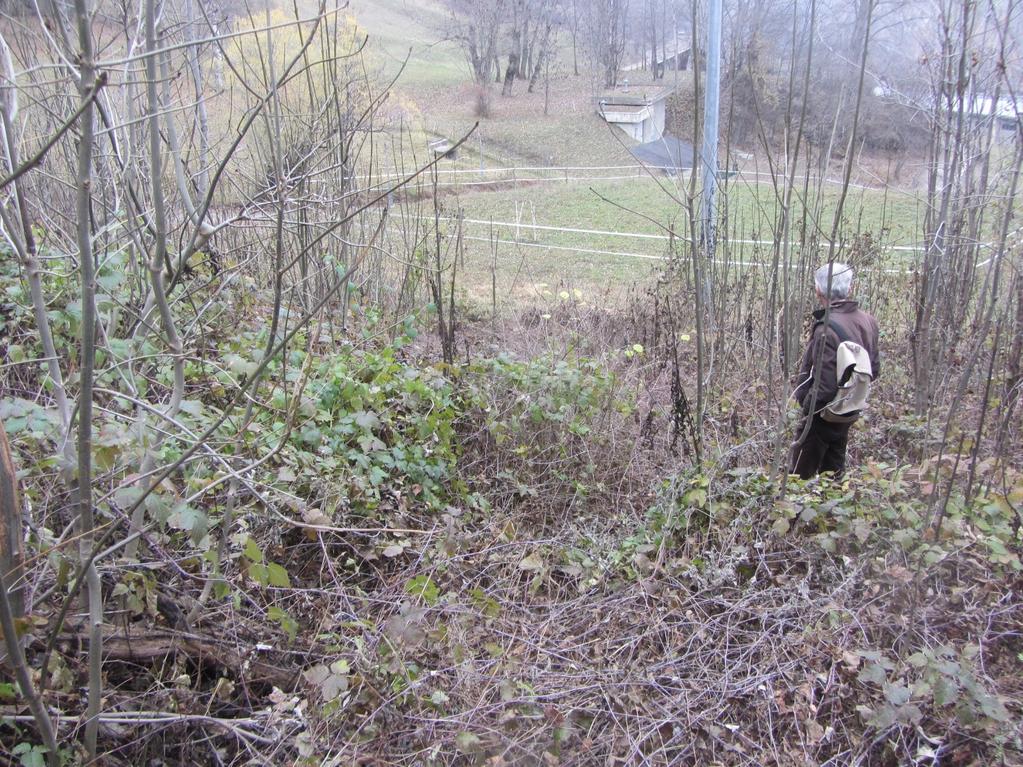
<point>400,28</point>
<point>629,204</point>
<point>607,260</point>
<point>439,98</point>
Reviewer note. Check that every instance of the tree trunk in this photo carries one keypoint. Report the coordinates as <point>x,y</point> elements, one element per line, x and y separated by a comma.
<point>575,33</point>
<point>542,56</point>
<point>526,52</point>
<point>514,54</point>
<point>12,556</point>
<point>510,73</point>
<point>664,39</point>
<point>651,8</point>
<point>546,89</point>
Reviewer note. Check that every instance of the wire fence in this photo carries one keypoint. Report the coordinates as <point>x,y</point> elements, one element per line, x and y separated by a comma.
<point>527,174</point>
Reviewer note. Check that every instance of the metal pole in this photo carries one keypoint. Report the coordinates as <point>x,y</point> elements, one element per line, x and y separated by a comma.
<point>711,101</point>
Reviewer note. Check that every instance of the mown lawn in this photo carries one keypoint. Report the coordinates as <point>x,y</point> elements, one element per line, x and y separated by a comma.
<point>398,29</point>
<point>531,261</point>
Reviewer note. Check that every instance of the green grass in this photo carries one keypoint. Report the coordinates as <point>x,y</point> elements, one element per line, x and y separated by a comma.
<point>400,28</point>
<point>520,133</point>
<point>525,268</point>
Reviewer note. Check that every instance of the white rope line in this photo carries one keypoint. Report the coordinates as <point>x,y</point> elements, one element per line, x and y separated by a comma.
<point>635,235</point>
<point>648,257</point>
<point>533,180</point>
<point>640,170</point>
<point>590,251</point>
<point>522,169</point>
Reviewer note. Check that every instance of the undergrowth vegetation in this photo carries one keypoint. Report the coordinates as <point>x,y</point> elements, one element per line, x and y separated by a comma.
<point>505,561</point>
<point>301,464</point>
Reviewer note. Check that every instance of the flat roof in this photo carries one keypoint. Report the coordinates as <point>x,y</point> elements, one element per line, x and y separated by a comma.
<point>625,108</point>
<point>636,95</point>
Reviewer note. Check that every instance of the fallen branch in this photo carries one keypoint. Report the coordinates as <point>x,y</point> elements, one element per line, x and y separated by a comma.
<point>153,646</point>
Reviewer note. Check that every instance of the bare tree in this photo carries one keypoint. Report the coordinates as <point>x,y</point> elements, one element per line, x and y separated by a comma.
<point>605,22</point>
<point>545,30</point>
<point>476,26</point>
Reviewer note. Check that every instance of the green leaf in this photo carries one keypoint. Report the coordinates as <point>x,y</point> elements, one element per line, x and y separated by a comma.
<point>259,573</point>
<point>884,718</point>
<point>874,673</point>
<point>423,585</point>
<point>30,755</point>
<point>946,691</point>
<point>277,576</point>
<point>192,407</point>
<point>909,714</point>
<point>16,425</point>
<point>240,366</point>
<point>252,551</point>
<point>897,694</point>
<point>531,563</point>
<point>993,708</point>
<point>335,685</point>
<point>485,603</point>
<point>316,675</point>
<point>467,742</point>
<point>221,588</point>
<point>366,420</point>
<point>494,650</point>
<point>285,621</point>
<point>696,497</point>
<point>193,521</point>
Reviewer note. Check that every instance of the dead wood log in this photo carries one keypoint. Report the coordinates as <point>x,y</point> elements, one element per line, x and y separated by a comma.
<point>152,646</point>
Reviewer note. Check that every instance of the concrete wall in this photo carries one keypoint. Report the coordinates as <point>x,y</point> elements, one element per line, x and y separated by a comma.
<point>660,112</point>
<point>643,131</point>
<point>634,130</point>
<point>653,127</point>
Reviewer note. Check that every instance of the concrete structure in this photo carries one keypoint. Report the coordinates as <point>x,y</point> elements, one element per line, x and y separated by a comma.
<point>673,56</point>
<point>443,147</point>
<point>639,111</point>
<point>982,110</point>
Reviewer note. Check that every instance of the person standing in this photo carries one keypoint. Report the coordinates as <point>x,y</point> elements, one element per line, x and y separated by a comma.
<point>823,393</point>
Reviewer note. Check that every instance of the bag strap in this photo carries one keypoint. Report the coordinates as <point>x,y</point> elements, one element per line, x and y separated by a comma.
<point>843,336</point>
<point>836,328</point>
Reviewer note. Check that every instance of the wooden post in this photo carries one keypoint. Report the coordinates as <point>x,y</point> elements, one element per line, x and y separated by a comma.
<point>12,556</point>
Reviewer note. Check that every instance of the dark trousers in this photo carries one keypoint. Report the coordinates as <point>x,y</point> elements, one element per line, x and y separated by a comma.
<point>822,450</point>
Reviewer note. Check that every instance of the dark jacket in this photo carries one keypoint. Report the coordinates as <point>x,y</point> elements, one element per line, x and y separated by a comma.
<point>859,327</point>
